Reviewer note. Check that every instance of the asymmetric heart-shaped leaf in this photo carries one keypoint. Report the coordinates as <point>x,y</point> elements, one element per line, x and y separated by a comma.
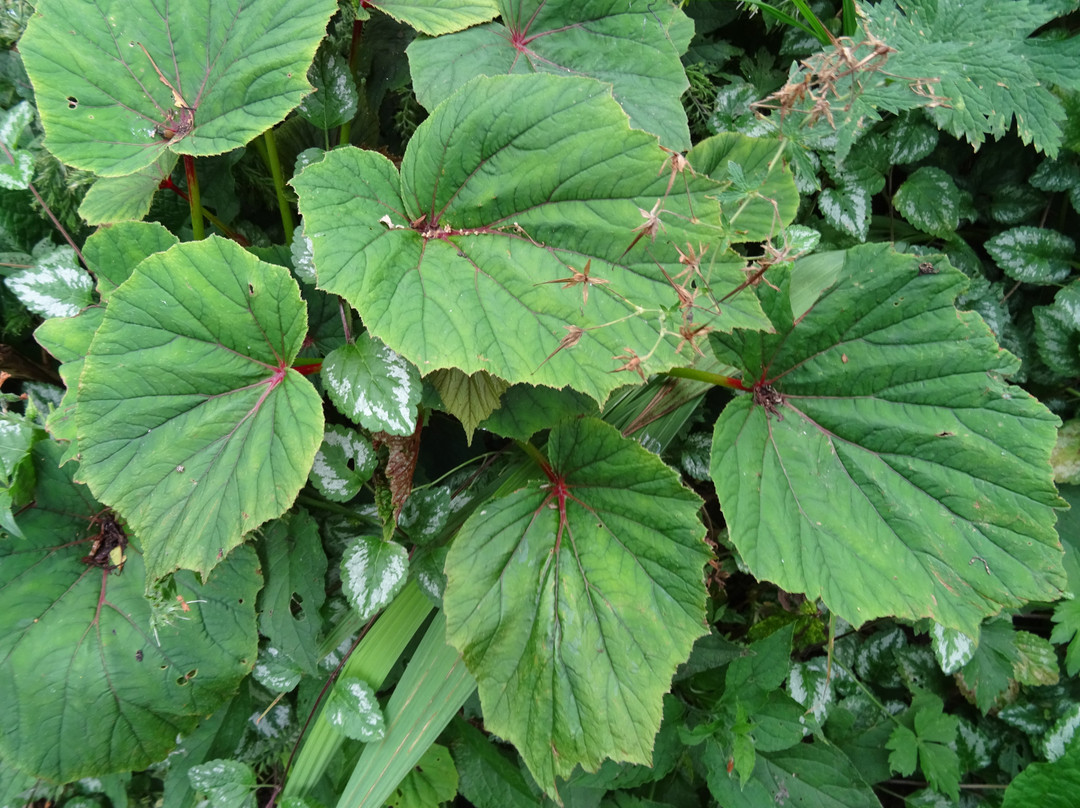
<point>634,45</point>
<point>573,601</point>
<point>487,253</point>
<point>90,688</point>
<point>436,17</point>
<point>896,472</point>
<point>118,84</point>
<point>191,423</point>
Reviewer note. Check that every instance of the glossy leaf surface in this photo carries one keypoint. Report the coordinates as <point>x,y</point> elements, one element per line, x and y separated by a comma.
<point>881,462</point>
<point>190,422</point>
<point>573,610</point>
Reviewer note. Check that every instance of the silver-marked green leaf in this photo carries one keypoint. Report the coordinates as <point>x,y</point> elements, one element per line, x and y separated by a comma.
<point>435,17</point>
<point>847,208</point>
<point>1057,331</point>
<point>56,286</point>
<point>424,514</point>
<point>302,259</point>
<point>345,461</point>
<point>953,649</point>
<point>77,651</point>
<point>227,783</point>
<point>276,671</point>
<point>880,461</point>
<point>374,386</point>
<point>354,710</point>
<point>929,200</point>
<point>372,572</point>
<point>502,259</point>
<point>334,100</point>
<point>131,81</point>
<point>573,601</point>
<point>126,198</point>
<point>635,45</point>
<point>16,165</point>
<point>1065,458</point>
<point>1033,254</point>
<point>113,252</point>
<point>191,423</point>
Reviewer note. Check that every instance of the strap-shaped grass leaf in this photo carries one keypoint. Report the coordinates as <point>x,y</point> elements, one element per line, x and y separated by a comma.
<point>508,242</point>
<point>191,423</point>
<point>634,45</point>
<point>574,601</point>
<point>881,462</point>
<point>90,689</point>
<point>214,75</point>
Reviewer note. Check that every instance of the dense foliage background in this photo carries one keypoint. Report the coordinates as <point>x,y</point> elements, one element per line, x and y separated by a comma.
<point>612,404</point>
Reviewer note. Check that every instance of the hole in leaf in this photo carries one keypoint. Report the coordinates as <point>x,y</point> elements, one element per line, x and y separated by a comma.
<point>251,288</point>
<point>296,606</point>
<point>72,102</point>
<point>138,655</point>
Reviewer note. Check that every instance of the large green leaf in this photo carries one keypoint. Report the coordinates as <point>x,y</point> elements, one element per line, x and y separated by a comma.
<point>90,688</point>
<point>190,422</point>
<point>436,17</point>
<point>512,189</point>
<point>215,74</point>
<point>880,461</point>
<point>574,601</point>
<point>634,45</point>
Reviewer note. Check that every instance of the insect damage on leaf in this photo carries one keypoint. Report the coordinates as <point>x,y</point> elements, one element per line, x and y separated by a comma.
<point>109,545</point>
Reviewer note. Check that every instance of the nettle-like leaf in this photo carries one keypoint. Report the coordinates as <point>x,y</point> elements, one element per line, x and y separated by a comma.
<point>373,571</point>
<point>131,80</point>
<point>335,98</point>
<point>880,461</point>
<point>435,17</point>
<point>190,422</point>
<point>92,689</point>
<point>930,200</point>
<point>634,45</point>
<point>16,165</point>
<point>507,243</point>
<point>332,473</point>
<point>1057,331</point>
<point>574,600</point>
<point>55,286</point>
<point>988,69</point>
<point>354,709</point>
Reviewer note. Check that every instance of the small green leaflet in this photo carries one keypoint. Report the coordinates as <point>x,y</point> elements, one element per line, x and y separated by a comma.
<point>928,738</point>
<point>880,461</point>
<point>191,423</point>
<point>573,601</point>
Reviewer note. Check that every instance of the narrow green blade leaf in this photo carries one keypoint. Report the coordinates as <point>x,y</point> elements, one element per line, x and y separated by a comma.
<point>634,45</point>
<point>92,688</point>
<point>190,422</point>
<point>881,463</point>
<point>573,609</point>
<point>213,76</point>
<point>468,259</point>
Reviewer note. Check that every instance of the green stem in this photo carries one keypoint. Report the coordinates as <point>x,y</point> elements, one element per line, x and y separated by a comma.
<point>197,228</point>
<point>371,661</point>
<point>274,163</point>
<point>710,378</point>
<point>354,49</point>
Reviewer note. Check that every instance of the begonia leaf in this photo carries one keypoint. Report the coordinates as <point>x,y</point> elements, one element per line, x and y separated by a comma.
<point>486,253</point>
<point>92,688</point>
<point>434,17</point>
<point>132,80</point>
<point>573,601</point>
<point>190,422</point>
<point>880,461</point>
<point>635,45</point>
